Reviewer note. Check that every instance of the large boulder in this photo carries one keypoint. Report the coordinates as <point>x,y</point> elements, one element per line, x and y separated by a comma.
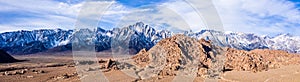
<point>183,55</point>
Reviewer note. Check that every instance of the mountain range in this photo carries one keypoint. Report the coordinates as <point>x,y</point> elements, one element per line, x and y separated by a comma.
<point>135,37</point>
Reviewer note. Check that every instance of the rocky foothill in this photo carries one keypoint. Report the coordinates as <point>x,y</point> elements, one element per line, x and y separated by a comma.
<point>182,54</point>
<point>258,60</point>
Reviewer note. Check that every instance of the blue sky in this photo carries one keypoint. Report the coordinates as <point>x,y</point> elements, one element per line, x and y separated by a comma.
<point>140,3</point>
<point>264,17</point>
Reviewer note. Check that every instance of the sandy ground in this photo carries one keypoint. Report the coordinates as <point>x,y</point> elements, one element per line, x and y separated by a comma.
<point>56,73</point>
<point>289,73</point>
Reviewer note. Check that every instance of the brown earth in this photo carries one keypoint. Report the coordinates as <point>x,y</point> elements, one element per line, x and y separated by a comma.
<point>288,73</point>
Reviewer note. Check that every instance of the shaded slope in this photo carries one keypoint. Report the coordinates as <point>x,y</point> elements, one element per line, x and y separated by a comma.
<point>6,58</point>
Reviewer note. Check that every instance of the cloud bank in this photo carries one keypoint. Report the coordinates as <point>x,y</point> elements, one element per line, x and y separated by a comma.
<point>265,17</point>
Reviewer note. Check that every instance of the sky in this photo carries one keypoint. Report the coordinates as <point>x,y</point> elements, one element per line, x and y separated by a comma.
<point>263,17</point>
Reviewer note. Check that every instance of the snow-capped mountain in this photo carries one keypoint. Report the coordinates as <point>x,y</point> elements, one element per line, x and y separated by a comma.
<point>248,41</point>
<point>136,37</point>
<point>285,42</point>
<point>25,42</point>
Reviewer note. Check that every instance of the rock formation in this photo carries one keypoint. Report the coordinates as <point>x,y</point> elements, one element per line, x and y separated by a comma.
<point>183,54</point>
<point>258,60</point>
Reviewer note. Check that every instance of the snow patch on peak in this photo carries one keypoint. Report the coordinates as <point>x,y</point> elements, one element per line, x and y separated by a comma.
<point>139,36</point>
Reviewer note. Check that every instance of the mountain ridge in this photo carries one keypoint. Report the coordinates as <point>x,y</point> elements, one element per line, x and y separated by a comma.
<point>137,36</point>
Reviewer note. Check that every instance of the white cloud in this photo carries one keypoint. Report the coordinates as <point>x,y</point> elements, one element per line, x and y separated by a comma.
<point>169,14</point>
<point>263,17</point>
<point>41,7</point>
<point>39,14</point>
<point>176,15</point>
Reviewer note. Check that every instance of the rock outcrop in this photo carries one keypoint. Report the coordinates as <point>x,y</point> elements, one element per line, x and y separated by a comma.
<point>258,60</point>
<point>184,55</point>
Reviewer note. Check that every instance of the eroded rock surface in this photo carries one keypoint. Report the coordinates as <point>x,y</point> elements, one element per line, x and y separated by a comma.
<point>258,60</point>
<point>182,55</point>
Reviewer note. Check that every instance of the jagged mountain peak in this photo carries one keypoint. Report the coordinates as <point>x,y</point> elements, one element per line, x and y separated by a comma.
<point>99,29</point>
<point>141,24</point>
<point>284,35</point>
<point>139,35</point>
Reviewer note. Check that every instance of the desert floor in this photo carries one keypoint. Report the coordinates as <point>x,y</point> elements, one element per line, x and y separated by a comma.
<point>60,68</point>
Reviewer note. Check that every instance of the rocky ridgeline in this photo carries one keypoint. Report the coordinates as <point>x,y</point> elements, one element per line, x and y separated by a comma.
<point>136,37</point>
<point>258,60</point>
<point>181,54</point>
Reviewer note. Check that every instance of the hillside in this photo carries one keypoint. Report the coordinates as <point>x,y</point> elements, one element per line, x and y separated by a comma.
<point>182,55</point>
